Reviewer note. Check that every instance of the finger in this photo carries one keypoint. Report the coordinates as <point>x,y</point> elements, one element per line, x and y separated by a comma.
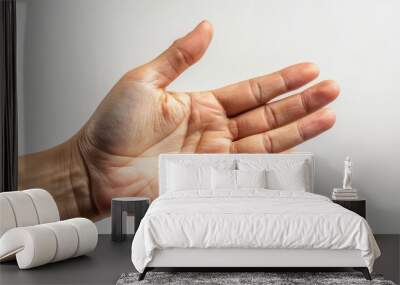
<point>285,111</point>
<point>288,136</point>
<point>245,95</point>
<point>179,56</point>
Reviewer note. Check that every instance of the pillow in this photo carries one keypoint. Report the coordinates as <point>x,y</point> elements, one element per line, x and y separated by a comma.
<point>289,178</point>
<point>251,178</point>
<point>223,179</point>
<point>282,174</point>
<point>181,177</point>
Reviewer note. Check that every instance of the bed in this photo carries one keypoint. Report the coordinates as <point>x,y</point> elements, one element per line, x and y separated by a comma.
<point>247,211</point>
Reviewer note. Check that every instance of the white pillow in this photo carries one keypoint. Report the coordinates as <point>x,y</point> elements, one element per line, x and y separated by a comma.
<point>223,179</point>
<point>293,178</point>
<point>251,178</point>
<point>181,177</point>
<point>282,174</point>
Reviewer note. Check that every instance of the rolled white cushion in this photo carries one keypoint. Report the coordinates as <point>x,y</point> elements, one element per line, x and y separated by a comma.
<point>37,245</point>
<point>87,235</point>
<point>7,218</point>
<point>45,205</point>
<point>67,240</point>
<point>23,208</point>
<point>33,246</point>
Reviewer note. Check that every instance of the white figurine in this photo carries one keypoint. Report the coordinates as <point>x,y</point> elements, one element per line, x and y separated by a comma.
<point>347,173</point>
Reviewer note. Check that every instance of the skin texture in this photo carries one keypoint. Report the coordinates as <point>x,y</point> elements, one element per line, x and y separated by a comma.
<point>116,152</point>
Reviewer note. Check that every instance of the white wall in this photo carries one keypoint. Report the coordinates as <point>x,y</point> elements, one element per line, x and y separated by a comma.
<point>74,51</point>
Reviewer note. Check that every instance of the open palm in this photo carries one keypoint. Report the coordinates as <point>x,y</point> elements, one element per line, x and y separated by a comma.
<point>139,119</point>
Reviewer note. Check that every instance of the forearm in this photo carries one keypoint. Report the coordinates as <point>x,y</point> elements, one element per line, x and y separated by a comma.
<point>61,171</point>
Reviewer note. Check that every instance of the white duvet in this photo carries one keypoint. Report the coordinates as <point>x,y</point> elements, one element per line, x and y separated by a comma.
<point>251,218</point>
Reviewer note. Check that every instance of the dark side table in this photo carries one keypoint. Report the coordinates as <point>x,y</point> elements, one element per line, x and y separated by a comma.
<point>357,206</point>
<point>123,207</point>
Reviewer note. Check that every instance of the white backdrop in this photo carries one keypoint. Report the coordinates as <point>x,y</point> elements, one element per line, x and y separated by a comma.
<point>70,53</point>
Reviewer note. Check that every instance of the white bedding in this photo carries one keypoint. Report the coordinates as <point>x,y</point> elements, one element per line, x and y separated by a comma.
<point>251,218</point>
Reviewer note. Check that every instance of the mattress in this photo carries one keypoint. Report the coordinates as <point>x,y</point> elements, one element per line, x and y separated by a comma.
<point>253,219</point>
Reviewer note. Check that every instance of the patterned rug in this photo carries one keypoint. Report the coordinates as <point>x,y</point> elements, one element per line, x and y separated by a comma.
<point>269,278</point>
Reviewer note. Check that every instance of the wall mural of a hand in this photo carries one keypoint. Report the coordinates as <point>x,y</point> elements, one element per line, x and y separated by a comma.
<point>118,147</point>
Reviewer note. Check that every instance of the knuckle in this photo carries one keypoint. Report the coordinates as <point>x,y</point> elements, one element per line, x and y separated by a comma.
<point>270,117</point>
<point>267,141</point>
<point>233,129</point>
<point>256,90</point>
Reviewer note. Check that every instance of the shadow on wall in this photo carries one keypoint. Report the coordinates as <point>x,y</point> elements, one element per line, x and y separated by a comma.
<point>326,176</point>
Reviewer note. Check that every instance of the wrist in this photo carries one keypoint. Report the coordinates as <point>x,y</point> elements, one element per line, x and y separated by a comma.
<point>80,179</point>
<point>91,159</point>
<point>61,171</point>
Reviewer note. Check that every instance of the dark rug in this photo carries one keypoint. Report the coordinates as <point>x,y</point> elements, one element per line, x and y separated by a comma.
<point>269,278</point>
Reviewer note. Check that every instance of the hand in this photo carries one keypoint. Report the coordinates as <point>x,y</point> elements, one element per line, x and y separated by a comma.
<point>116,152</point>
<point>139,119</point>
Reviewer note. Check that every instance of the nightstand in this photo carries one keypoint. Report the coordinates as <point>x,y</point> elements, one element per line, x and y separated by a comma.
<point>123,207</point>
<point>357,206</point>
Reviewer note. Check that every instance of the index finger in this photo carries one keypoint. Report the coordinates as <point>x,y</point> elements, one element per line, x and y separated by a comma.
<point>245,95</point>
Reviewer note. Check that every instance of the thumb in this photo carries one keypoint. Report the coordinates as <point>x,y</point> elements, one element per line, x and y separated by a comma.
<point>180,55</point>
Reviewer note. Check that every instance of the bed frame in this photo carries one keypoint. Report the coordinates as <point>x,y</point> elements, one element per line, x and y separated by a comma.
<point>234,259</point>
<point>249,259</point>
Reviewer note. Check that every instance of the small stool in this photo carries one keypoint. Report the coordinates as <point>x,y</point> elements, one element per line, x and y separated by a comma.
<point>123,207</point>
